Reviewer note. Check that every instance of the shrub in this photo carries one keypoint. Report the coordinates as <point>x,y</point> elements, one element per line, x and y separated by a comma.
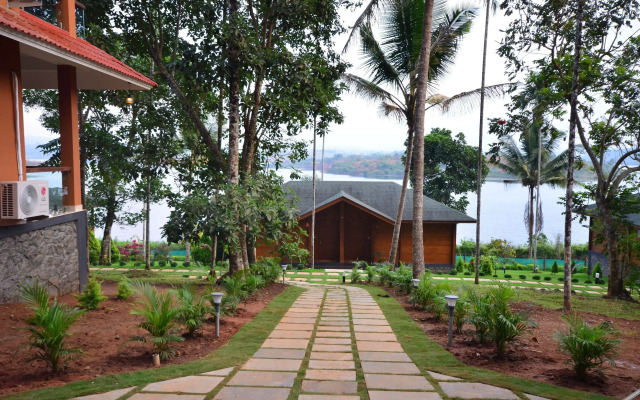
<point>385,275</point>
<point>575,280</point>
<point>192,309</point>
<point>561,279</point>
<point>453,272</point>
<point>460,265</point>
<point>94,249</point>
<point>536,277</point>
<point>162,263</point>
<point>186,264</point>
<point>588,347</point>
<point>92,296</point>
<point>355,275</point>
<point>402,278</point>
<point>430,296</point>
<point>547,278</point>
<point>522,276</point>
<point>507,276</point>
<point>160,314</point>
<point>597,269</point>
<point>487,264</point>
<point>252,283</point>
<point>599,281</point>
<point>268,268</point>
<point>48,327</point>
<point>124,291</point>
<point>371,273</point>
<point>481,274</point>
<point>460,314</point>
<point>504,325</point>
<point>467,273</point>
<point>587,281</point>
<point>554,267</point>
<point>233,286</point>
<point>174,264</point>
<point>162,252</point>
<point>115,252</point>
<point>479,314</point>
<point>122,263</point>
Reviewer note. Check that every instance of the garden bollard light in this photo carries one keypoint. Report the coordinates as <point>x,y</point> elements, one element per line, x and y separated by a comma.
<point>597,275</point>
<point>451,302</point>
<point>504,269</point>
<point>344,277</point>
<point>217,299</point>
<point>415,282</point>
<point>284,272</point>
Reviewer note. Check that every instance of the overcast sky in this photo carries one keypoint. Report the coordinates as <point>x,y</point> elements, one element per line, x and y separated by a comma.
<point>363,130</point>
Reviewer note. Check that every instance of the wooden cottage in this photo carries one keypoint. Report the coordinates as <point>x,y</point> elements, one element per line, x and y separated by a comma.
<point>39,55</point>
<point>354,222</point>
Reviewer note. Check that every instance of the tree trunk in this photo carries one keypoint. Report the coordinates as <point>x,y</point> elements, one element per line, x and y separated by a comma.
<point>105,250</point>
<point>616,277</point>
<point>418,156</point>
<point>187,251</point>
<point>480,154</point>
<point>571,159</point>
<point>395,238</point>
<point>147,243</point>
<point>235,257</point>
<point>312,238</point>
<point>214,251</point>
<point>530,221</point>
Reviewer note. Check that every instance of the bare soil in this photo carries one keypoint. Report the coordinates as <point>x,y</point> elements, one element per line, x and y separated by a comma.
<point>535,355</point>
<point>101,334</point>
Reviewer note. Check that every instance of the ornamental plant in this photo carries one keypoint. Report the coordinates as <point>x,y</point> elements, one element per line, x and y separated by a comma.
<point>92,296</point>
<point>597,270</point>
<point>554,267</point>
<point>588,347</point>
<point>192,309</point>
<point>49,327</point>
<point>132,251</point>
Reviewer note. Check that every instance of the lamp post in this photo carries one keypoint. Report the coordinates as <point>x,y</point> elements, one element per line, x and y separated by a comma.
<point>504,269</point>
<point>217,299</point>
<point>415,282</point>
<point>451,302</point>
<point>344,276</point>
<point>284,271</point>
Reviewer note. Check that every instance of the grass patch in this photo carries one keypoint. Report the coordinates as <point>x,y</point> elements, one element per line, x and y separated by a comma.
<point>235,352</point>
<point>428,355</point>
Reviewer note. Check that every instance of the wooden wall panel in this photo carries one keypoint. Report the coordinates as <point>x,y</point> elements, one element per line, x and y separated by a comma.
<point>438,243</point>
<point>382,233</point>
<point>357,234</point>
<point>328,234</point>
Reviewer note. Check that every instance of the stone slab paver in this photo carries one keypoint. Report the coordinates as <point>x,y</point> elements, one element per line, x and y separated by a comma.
<point>326,397</point>
<point>332,387</point>
<point>272,364</point>
<point>473,390</point>
<point>379,367</point>
<point>376,337</point>
<point>245,393</point>
<point>219,372</point>
<point>296,320</point>
<point>295,327</point>
<point>379,346</point>
<point>286,343</point>
<point>366,321</point>
<point>392,395</point>
<point>383,356</point>
<point>321,340</point>
<point>334,323</point>
<point>330,375</point>
<point>321,334</point>
<point>280,353</point>
<point>278,334</point>
<point>331,356</point>
<point>334,328</point>
<point>442,377</point>
<point>263,378</point>
<point>372,328</point>
<point>534,397</point>
<point>112,395</point>
<point>186,384</point>
<point>369,316</point>
<point>397,382</point>
<point>165,396</point>
<point>331,347</point>
<point>323,364</point>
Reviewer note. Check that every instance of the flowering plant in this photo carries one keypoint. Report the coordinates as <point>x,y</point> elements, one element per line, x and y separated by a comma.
<point>132,251</point>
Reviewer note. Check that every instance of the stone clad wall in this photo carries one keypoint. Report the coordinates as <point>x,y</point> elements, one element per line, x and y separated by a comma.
<point>46,250</point>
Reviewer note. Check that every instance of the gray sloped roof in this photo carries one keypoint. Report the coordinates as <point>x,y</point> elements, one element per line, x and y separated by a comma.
<point>632,218</point>
<point>379,197</point>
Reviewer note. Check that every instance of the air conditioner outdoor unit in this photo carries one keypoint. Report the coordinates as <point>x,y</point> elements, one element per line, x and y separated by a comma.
<point>24,199</point>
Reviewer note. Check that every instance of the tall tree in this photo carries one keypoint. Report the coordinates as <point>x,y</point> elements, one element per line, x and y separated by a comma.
<point>608,76</point>
<point>520,160</point>
<point>392,69</point>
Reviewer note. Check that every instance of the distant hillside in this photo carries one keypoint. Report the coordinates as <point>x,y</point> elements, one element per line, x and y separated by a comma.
<point>389,166</point>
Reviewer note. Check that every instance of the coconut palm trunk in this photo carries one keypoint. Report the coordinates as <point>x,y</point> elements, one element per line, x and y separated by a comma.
<point>312,237</point>
<point>418,142</point>
<point>480,154</point>
<point>571,159</point>
<point>395,238</point>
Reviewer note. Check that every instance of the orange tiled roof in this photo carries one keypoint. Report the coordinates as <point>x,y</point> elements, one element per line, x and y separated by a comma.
<point>41,30</point>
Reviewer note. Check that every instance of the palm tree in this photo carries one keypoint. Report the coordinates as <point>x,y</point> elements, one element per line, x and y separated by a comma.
<point>521,161</point>
<point>392,68</point>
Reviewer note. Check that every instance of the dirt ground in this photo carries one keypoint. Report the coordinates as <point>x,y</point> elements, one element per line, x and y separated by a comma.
<point>535,355</point>
<point>101,333</point>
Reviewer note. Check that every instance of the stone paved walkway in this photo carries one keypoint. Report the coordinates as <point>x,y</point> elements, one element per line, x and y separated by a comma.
<point>333,343</point>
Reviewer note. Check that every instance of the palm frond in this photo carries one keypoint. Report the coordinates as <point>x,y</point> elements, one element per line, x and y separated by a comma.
<point>367,90</point>
<point>375,61</point>
<point>465,101</point>
<point>393,111</point>
<point>368,15</point>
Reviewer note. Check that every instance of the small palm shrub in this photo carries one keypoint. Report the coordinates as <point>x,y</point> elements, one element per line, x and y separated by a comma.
<point>160,318</point>
<point>402,278</point>
<point>252,283</point>
<point>355,275</point>
<point>233,286</point>
<point>371,273</point>
<point>192,309</point>
<point>385,275</point>
<point>429,296</point>
<point>49,327</point>
<point>504,325</point>
<point>92,296</point>
<point>268,268</point>
<point>460,312</point>
<point>478,314</point>
<point>588,347</point>
<point>124,291</point>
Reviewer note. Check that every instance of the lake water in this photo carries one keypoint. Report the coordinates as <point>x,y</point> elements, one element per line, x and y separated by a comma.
<point>502,212</point>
